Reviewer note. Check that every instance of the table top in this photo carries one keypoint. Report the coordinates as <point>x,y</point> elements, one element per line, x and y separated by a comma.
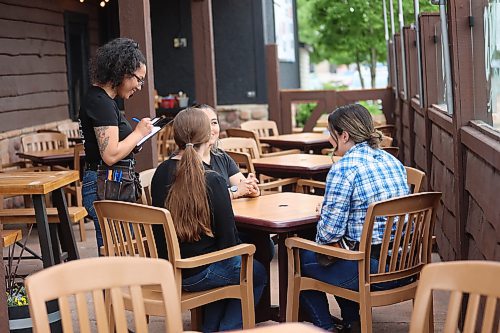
<point>43,182</point>
<point>295,162</point>
<point>305,138</point>
<point>279,212</point>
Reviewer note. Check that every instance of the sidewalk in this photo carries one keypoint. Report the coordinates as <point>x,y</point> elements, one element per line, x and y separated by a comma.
<point>393,319</point>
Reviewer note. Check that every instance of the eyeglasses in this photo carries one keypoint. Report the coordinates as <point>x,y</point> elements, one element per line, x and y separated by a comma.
<point>139,80</point>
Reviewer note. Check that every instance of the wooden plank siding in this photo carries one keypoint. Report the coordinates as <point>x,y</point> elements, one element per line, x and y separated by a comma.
<point>33,72</point>
<point>482,176</point>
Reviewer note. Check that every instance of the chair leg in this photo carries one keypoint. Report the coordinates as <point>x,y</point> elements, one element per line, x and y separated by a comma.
<point>292,304</point>
<point>83,232</point>
<point>365,309</point>
<point>196,319</point>
<point>430,317</point>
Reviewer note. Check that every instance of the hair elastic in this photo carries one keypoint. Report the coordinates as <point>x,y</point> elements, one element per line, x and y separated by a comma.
<point>189,144</point>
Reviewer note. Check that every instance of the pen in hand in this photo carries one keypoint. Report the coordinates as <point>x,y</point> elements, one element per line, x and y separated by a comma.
<point>137,120</point>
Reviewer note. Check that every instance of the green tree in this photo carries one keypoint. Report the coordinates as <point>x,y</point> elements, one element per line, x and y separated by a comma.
<point>350,31</point>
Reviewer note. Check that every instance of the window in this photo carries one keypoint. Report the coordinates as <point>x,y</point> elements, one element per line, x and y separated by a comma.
<point>440,66</point>
<point>492,59</point>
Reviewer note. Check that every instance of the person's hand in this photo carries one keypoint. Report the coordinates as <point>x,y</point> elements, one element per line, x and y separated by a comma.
<point>252,180</point>
<point>144,127</point>
<point>244,189</point>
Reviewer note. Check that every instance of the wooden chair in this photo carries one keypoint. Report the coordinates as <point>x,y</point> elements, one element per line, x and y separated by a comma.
<point>309,186</point>
<point>241,133</point>
<point>415,178</point>
<point>242,145</point>
<point>387,130</point>
<point>70,129</point>
<point>414,252</point>
<point>262,128</point>
<point>145,178</point>
<point>243,151</point>
<point>267,185</point>
<point>477,279</point>
<point>127,231</point>
<point>386,141</point>
<point>117,277</point>
<point>394,151</point>
<point>75,190</point>
<point>44,141</point>
<point>165,143</point>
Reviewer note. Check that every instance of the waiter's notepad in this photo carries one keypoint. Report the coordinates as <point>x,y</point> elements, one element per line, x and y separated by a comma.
<point>155,130</point>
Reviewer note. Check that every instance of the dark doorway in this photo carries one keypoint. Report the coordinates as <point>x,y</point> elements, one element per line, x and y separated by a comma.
<point>77,57</point>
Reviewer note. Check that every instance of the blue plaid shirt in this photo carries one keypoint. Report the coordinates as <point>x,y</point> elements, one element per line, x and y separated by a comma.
<point>362,176</point>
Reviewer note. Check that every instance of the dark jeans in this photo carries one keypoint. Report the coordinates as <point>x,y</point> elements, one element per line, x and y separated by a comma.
<point>89,195</point>
<point>225,315</point>
<point>342,273</point>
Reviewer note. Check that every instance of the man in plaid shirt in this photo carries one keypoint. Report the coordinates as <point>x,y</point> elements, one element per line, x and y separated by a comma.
<point>364,175</point>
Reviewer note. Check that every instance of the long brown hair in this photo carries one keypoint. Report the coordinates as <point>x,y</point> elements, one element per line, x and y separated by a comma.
<point>187,199</point>
<point>356,120</point>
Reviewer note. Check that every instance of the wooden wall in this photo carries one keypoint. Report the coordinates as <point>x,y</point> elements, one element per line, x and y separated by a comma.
<point>460,155</point>
<point>33,81</point>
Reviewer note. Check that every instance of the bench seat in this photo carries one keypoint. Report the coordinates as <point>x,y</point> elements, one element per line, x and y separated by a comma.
<point>27,215</point>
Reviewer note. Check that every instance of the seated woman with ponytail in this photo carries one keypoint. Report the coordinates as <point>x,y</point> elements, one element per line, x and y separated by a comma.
<point>365,174</point>
<point>203,217</point>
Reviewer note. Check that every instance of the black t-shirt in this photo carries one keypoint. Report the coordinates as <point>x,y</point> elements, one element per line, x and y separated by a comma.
<point>222,217</point>
<point>98,109</point>
<point>223,164</point>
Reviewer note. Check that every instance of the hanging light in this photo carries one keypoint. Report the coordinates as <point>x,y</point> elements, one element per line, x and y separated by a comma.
<point>102,4</point>
<point>82,0</point>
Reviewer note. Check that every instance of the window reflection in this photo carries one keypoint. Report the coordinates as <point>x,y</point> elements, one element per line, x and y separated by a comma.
<point>492,58</point>
<point>440,77</point>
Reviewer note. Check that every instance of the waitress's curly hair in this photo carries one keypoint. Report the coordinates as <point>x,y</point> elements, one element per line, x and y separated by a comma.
<point>114,60</point>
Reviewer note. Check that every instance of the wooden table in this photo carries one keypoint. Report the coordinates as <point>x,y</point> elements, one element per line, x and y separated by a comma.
<point>282,214</point>
<point>62,157</point>
<point>304,141</point>
<point>37,184</point>
<point>295,165</point>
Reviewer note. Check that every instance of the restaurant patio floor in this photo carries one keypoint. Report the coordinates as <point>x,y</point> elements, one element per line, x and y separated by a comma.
<point>392,319</point>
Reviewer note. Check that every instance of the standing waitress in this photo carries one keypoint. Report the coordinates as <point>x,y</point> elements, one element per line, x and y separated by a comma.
<point>117,70</point>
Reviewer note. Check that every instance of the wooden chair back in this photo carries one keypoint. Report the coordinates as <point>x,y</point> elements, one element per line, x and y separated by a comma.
<point>405,248</point>
<point>414,178</point>
<point>394,151</point>
<point>127,230</point>
<point>264,149</point>
<point>70,129</point>
<point>145,177</point>
<point>243,160</point>
<point>386,141</point>
<point>407,231</point>
<point>387,130</point>
<point>477,279</point>
<point>44,141</point>
<point>93,277</point>
<point>262,128</point>
<point>241,133</point>
<point>309,186</point>
<point>165,143</point>
<point>242,145</point>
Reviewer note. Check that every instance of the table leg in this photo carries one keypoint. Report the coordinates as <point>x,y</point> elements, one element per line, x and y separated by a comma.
<point>68,242</point>
<point>56,251</point>
<point>282,275</point>
<point>42,223</point>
